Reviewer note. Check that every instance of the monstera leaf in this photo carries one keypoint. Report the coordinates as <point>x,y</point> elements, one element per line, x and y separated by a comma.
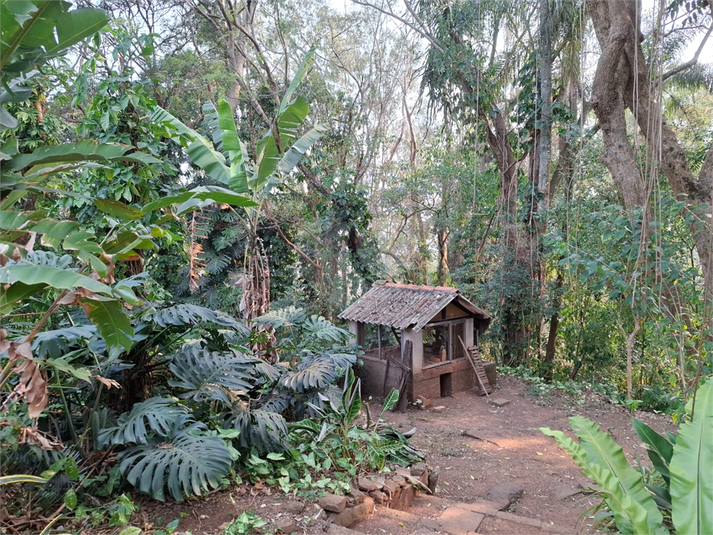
<point>182,461</point>
<point>317,375</point>
<point>155,415</point>
<point>213,376</point>
<point>284,317</point>
<point>186,314</point>
<point>262,429</point>
<point>326,330</point>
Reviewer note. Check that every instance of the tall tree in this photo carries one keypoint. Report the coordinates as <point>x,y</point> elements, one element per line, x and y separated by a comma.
<point>626,79</point>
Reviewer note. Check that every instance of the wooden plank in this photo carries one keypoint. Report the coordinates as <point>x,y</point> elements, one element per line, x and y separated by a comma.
<point>405,373</point>
<point>477,365</point>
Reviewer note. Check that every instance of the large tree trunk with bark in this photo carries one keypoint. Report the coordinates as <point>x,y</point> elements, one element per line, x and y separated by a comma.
<point>622,81</point>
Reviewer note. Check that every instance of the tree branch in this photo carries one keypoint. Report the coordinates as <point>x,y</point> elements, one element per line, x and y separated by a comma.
<point>692,61</point>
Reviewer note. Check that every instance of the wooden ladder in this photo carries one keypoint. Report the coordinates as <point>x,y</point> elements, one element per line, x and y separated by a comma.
<point>473,355</point>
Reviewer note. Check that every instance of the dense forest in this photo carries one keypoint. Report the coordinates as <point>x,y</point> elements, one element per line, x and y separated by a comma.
<point>192,191</point>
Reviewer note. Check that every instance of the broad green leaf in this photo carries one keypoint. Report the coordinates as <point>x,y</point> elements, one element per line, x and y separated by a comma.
<point>234,147</point>
<point>199,149</point>
<point>155,415</point>
<point>391,400</point>
<point>80,152</point>
<point>659,448</point>
<point>630,516</point>
<point>118,209</point>
<point>210,375</point>
<point>292,157</point>
<point>62,365</point>
<point>53,232</point>
<point>691,468</point>
<point>192,464</point>
<point>10,220</point>
<point>62,279</point>
<point>70,499</point>
<point>603,451</point>
<point>15,293</point>
<point>109,317</point>
<point>277,141</point>
<point>203,193</point>
<point>299,77</point>
<point>77,25</point>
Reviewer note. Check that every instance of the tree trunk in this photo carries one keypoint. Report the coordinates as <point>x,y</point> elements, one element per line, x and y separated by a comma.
<point>622,81</point>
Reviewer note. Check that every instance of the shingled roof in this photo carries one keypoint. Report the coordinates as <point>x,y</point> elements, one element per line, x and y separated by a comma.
<point>404,306</point>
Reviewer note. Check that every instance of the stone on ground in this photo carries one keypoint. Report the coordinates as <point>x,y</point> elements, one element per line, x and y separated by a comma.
<point>366,484</point>
<point>565,491</point>
<point>285,525</point>
<point>332,502</point>
<point>500,402</point>
<point>504,494</point>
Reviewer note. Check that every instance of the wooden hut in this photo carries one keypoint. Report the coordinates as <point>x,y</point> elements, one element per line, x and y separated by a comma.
<point>412,337</point>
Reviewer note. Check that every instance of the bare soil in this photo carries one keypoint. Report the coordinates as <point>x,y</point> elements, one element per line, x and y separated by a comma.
<point>476,446</point>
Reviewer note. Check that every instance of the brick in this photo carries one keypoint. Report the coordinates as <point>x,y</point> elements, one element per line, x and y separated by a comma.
<point>378,496</point>
<point>354,515</point>
<point>402,516</point>
<point>293,507</point>
<point>332,502</point>
<point>417,469</point>
<point>433,479</point>
<point>357,495</point>
<point>480,506</point>
<point>500,402</point>
<point>366,484</point>
<point>404,499</point>
<point>457,521</point>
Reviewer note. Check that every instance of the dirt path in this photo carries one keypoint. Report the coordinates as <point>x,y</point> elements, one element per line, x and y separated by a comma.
<point>476,446</point>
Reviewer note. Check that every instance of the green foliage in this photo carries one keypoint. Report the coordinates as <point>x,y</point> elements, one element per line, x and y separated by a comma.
<point>212,376</point>
<point>246,523</point>
<point>165,450</point>
<point>603,461</point>
<point>683,464</point>
<point>32,34</point>
<point>333,438</point>
<point>691,486</point>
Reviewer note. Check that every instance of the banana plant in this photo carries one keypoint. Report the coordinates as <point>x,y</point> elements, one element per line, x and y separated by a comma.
<point>684,462</point>
<point>33,32</point>
<point>79,269</point>
<point>226,161</point>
